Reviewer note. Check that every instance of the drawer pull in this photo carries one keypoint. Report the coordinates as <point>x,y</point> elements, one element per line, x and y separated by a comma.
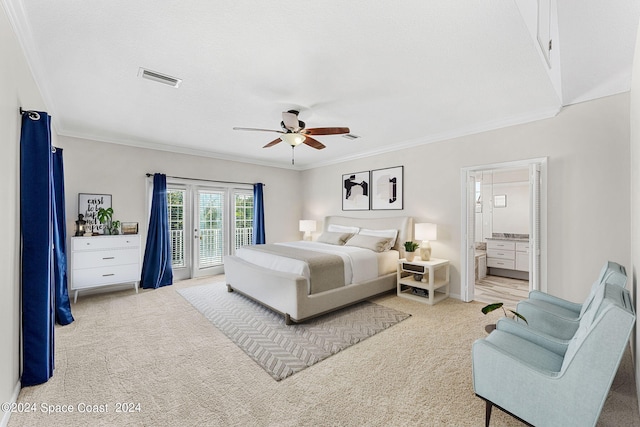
<point>110,274</point>
<point>109,257</point>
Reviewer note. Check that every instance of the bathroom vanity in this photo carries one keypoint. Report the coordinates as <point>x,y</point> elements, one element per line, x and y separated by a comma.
<point>508,256</point>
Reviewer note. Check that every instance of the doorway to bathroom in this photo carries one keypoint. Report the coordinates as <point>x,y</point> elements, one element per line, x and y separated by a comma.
<point>504,217</point>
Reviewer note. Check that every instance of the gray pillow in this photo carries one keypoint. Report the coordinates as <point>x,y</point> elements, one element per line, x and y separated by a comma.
<point>334,238</point>
<point>374,243</point>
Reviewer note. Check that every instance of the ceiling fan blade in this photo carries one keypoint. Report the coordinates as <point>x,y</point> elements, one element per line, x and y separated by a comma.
<point>290,120</point>
<point>326,131</point>
<point>272,143</point>
<point>314,143</point>
<point>259,130</point>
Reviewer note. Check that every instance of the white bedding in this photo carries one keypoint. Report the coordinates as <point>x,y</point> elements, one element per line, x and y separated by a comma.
<point>360,265</point>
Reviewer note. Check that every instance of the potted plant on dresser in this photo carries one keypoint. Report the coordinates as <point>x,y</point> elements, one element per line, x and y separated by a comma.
<point>105,216</point>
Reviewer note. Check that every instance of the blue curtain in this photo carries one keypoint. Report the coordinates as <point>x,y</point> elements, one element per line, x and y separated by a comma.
<point>258,215</point>
<point>36,210</point>
<point>156,267</point>
<point>63,308</point>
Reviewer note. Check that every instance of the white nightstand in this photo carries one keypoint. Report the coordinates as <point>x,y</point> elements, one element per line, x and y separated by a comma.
<point>434,286</point>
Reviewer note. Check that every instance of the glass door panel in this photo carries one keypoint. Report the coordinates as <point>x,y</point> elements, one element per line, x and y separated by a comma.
<point>243,229</point>
<point>209,233</point>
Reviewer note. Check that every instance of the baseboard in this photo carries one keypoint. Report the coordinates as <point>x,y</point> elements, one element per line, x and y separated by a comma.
<point>14,398</point>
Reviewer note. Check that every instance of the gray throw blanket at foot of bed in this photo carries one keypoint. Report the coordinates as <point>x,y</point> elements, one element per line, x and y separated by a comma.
<point>326,270</point>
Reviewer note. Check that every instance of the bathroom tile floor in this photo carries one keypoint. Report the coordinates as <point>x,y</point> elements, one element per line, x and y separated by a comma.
<point>501,289</point>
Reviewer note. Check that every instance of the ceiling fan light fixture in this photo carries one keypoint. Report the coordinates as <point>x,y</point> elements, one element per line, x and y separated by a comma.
<point>293,139</point>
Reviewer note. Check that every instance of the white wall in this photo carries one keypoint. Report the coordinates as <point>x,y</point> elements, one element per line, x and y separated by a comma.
<point>17,89</point>
<point>104,168</point>
<point>587,146</point>
<point>635,195</point>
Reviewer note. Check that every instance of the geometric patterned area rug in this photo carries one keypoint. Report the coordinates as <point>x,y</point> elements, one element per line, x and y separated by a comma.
<point>280,349</point>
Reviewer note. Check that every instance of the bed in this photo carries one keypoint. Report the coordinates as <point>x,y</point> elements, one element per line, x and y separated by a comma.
<point>292,280</point>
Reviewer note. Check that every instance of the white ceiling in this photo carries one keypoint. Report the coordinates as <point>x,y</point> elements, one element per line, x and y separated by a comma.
<point>397,73</point>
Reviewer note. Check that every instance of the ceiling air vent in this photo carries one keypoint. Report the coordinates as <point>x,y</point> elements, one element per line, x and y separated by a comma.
<point>158,77</point>
<point>350,136</point>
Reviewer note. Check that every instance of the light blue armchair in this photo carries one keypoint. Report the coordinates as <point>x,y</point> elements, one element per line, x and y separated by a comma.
<point>546,381</point>
<point>559,317</point>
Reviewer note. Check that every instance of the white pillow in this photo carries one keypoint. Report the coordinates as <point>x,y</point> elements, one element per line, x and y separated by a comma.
<point>391,234</point>
<point>374,243</point>
<point>334,238</point>
<point>342,229</point>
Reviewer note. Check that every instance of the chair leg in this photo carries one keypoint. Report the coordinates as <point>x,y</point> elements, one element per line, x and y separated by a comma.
<point>487,413</point>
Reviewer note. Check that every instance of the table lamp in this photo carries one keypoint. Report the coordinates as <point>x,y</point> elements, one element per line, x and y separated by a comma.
<point>308,226</point>
<point>426,231</point>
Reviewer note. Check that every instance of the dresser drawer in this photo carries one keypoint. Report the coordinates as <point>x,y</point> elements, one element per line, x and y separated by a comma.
<point>522,246</point>
<point>501,245</point>
<point>105,258</point>
<point>501,263</point>
<point>105,242</point>
<point>502,254</point>
<point>87,278</point>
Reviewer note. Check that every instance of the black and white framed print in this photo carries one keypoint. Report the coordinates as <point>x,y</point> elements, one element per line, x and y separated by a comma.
<point>88,205</point>
<point>387,188</point>
<point>355,191</point>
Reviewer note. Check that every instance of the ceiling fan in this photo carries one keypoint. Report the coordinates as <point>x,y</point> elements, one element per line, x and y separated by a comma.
<point>295,133</point>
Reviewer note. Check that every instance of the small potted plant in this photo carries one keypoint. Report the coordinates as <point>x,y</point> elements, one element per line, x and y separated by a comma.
<point>105,216</point>
<point>410,249</point>
<point>496,305</point>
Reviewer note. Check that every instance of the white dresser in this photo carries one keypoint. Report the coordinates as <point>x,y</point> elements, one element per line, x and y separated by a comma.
<point>104,260</point>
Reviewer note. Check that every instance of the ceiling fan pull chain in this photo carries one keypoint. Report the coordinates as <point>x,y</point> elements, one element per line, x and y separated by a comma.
<point>293,151</point>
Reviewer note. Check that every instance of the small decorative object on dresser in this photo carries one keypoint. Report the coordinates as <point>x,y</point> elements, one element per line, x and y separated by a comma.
<point>129,228</point>
<point>80,224</point>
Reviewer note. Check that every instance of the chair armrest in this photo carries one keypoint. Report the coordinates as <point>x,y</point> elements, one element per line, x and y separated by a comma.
<point>556,345</point>
<point>556,301</point>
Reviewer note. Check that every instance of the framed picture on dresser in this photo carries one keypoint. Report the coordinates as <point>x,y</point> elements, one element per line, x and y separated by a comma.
<point>88,205</point>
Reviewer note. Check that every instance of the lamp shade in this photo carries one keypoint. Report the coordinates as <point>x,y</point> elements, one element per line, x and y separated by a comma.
<point>426,231</point>
<point>307,225</point>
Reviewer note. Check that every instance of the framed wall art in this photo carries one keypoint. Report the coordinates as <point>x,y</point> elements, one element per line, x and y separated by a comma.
<point>355,191</point>
<point>387,188</point>
<point>88,205</point>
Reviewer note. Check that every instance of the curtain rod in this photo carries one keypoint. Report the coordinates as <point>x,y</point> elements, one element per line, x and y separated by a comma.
<point>33,115</point>
<point>208,180</point>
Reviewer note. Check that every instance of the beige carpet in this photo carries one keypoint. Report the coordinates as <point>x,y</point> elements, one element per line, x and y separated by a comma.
<point>156,350</point>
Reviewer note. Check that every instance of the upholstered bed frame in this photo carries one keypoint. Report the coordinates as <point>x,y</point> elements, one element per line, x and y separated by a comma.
<point>288,293</point>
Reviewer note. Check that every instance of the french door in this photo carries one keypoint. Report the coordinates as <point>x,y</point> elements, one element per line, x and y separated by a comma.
<point>207,223</point>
